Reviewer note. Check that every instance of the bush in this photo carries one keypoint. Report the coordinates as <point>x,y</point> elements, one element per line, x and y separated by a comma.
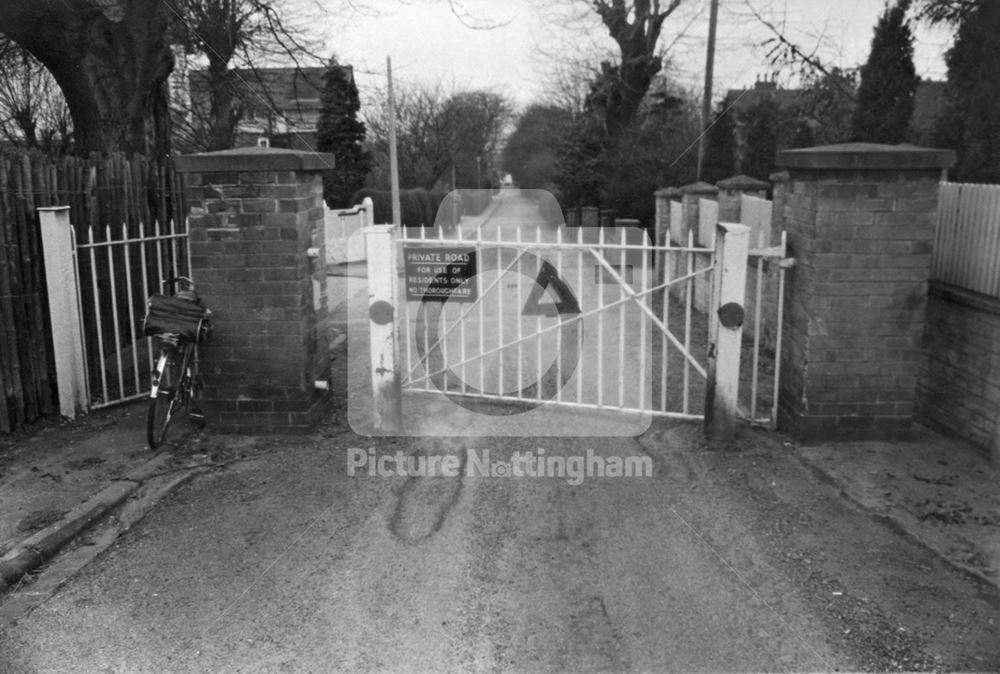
<point>381,200</point>
<point>427,210</point>
<point>416,206</point>
<point>410,210</point>
<point>476,201</point>
<point>449,211</point>
<point>436,199</point>
<point>550,209</point>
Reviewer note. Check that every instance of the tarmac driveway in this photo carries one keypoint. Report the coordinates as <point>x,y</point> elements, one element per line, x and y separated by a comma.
<point>722,561</point>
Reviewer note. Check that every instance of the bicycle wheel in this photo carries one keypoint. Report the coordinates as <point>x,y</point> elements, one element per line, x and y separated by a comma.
<point>171,394</point>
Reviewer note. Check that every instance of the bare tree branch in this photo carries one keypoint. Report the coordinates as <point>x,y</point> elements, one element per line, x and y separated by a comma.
<point>472,22</point>
<point>783,51</point>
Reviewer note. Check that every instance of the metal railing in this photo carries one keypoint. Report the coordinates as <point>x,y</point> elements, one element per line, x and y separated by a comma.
<point>640,344</point>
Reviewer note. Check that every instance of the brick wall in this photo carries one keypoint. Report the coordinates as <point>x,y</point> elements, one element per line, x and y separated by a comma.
<point>255,213</point>
<point>860,222</point>
<point>959,384</point>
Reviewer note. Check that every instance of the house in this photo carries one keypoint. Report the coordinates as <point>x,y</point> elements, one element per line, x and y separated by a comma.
<point>929,99</point>
<point>276,107</point>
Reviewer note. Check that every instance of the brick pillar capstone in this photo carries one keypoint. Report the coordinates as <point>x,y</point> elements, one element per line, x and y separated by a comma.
<point>254,215</point>
<point>732,189</point>
<point>860,219</point>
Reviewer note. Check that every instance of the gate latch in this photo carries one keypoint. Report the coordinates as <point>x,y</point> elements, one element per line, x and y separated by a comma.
<point>731,315</point>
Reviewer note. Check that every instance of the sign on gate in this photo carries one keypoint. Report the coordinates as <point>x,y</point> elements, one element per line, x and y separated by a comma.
<point>440,274</point>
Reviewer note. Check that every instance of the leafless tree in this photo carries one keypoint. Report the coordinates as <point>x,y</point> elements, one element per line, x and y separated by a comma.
<point>231,40</point>
<point>33,111</point>
<point>620,44</point>
<point>111,61</point>
<point>952,12</point>
<point>112,58</point>
<point>785,53</point>
<point>437,131</point>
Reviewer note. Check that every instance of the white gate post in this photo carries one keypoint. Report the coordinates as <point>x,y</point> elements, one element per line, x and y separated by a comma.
<point>367,219</point>
<point>726,330</point>
<point>64,310</point>
<point>382,313</point>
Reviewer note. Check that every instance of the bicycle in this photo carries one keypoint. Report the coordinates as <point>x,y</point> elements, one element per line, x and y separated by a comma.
<point>179,322</point>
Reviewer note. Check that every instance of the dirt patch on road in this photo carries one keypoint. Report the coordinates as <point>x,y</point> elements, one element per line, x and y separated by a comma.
<point>940,490</point>
<point>884,593</point>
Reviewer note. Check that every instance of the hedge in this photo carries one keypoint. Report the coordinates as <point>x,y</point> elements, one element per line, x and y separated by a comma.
<point>416,206</point>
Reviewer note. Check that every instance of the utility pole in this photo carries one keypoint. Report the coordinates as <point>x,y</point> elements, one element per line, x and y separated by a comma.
<point>706,104</point>
<point>454,201</point>
<point>397,217</point>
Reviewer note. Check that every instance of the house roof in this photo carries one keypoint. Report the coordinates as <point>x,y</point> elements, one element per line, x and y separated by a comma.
<point>928,99</point>
<point>281,87</point>
<point>742,99</point>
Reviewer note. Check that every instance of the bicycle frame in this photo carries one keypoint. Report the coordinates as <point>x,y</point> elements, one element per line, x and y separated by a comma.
<point>175,382</point>
<point>189,361</point>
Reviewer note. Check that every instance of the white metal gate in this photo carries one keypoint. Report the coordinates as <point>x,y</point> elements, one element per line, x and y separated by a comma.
<point>581,318</point>
<point>98,305</point>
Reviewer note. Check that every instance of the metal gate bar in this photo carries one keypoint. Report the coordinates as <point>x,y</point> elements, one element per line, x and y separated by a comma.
<point>121,292</point>
<point>419,375</point>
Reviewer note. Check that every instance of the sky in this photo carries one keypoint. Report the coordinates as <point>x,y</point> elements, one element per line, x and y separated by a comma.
<point>430,45</point>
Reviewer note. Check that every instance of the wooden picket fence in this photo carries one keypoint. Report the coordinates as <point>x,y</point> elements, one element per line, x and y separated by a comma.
<point>967,247</point>
<point>100,192</point>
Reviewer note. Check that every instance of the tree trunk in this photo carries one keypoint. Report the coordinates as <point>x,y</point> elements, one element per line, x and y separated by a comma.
<point>111,60</point>
<point>223,115</point>
<point>636,40</point>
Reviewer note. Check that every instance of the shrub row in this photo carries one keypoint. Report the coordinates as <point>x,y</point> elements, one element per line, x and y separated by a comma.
<point>476,201</point>
<point>420,208</point>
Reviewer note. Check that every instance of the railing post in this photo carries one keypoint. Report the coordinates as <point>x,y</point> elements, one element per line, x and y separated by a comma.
<point>726,330</point>
<point>382,312</point>
<point>64,310</point>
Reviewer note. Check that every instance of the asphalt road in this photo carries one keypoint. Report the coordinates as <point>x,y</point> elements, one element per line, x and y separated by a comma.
<point>283,562</point>
<point>720,561</point>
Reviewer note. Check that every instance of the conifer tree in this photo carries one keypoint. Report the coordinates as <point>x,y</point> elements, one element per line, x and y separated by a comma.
<point>888,81</point>
<point>971,121</point>
<point>341,133</point>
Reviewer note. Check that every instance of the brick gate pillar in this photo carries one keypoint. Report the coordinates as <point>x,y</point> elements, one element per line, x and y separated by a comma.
<point>860,219</point>
<point>255,213</point>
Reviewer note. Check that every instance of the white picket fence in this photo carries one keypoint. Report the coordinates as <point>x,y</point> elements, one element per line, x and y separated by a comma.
<point>757,213</point>
<point>967,246</point>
